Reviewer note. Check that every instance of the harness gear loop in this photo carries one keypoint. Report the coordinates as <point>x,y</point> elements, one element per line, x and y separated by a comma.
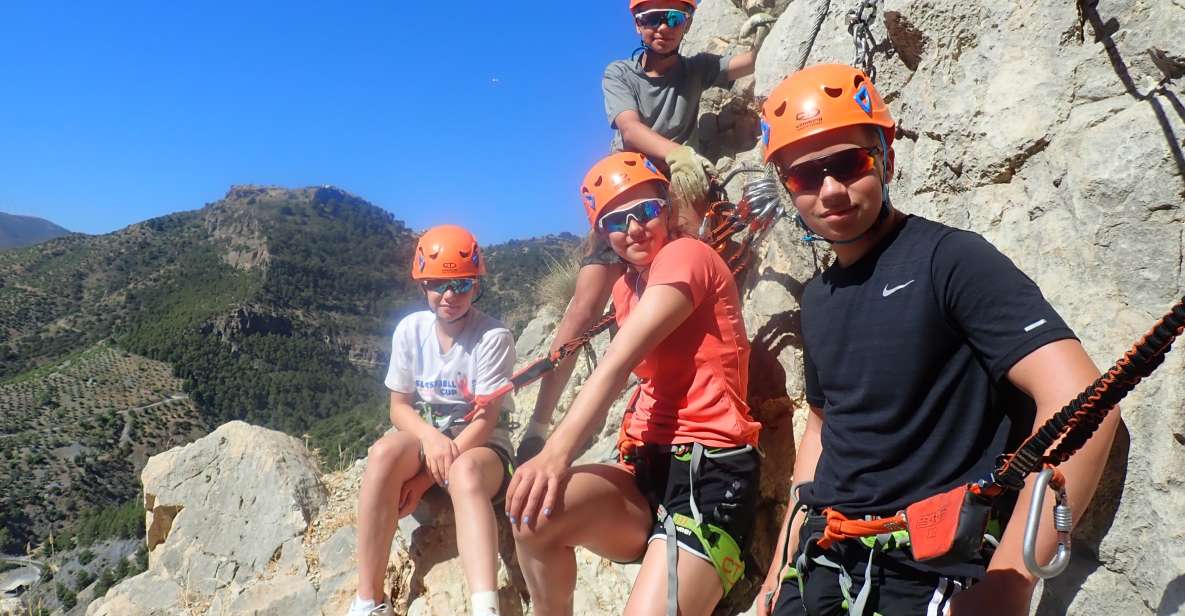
<point>1063,521</point>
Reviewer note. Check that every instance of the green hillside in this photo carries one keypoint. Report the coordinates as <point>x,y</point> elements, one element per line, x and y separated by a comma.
<point>272,306</point>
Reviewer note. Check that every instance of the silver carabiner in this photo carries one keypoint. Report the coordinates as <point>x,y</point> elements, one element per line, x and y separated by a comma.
<point>1063,521</point>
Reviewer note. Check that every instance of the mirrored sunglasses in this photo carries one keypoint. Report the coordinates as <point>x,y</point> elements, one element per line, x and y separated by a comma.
<point>658,17</point>
<point>845,166</point>
<point>459,286</point>
<point>643,212</point>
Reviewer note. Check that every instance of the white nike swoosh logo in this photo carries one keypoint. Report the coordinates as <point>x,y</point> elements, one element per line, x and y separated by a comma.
<point>887,291</point>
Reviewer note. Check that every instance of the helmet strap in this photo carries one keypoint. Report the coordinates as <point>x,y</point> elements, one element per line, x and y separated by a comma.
<point>643,51</point>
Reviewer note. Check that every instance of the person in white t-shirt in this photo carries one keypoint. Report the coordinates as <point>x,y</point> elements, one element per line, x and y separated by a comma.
<point>436,355</point>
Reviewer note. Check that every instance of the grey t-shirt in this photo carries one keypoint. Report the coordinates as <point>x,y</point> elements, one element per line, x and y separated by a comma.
<point>669,104</point>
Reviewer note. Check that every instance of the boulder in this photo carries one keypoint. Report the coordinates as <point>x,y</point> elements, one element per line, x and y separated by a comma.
<point>223,512</point>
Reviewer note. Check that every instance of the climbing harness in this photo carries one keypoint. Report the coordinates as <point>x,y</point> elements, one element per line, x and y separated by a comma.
<point>759,208</point>
<point>951,527</point>
<point>443,416</point>
<point>722,548</point>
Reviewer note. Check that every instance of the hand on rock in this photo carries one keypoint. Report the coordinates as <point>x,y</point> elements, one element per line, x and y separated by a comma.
<point>767,597</point>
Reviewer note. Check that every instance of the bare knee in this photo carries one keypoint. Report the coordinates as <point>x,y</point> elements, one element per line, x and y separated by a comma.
<point>388,452</point>
<point>464,476</point>
<point>536,538</point>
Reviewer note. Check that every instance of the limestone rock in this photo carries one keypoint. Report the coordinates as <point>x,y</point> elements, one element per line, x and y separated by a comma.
<point>222,511</point>
<point>714,29</point>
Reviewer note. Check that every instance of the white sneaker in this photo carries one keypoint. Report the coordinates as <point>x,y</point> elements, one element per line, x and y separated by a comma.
<point>368,608</point>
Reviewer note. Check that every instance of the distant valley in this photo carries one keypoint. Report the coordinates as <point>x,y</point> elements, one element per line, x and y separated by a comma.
<point>272,305</point>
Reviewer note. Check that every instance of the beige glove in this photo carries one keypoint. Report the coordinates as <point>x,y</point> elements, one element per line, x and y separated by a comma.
<point>759,24</point>
<point>689,176</point>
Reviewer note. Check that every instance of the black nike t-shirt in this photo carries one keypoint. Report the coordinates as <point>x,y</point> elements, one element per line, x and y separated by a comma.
<point>907,351</point>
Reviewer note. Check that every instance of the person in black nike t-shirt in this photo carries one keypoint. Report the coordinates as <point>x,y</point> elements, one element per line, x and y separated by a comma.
<point>927,354</point>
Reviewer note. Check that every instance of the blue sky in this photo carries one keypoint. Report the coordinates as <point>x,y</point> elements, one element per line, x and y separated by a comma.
<point>485,114</point>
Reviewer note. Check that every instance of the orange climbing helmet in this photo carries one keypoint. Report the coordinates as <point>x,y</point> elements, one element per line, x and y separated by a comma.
<point>614,175</point>
<point>634,4</point>
<point>821,98</point>
<point>447,251</point>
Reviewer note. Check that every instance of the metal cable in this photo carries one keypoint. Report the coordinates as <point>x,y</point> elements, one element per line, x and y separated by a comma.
<point>804,50</point>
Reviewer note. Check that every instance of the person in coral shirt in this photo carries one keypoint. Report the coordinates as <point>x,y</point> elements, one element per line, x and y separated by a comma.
<point>681,499</point>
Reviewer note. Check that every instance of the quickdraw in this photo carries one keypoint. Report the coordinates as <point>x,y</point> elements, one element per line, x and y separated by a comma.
<point>759,208</point>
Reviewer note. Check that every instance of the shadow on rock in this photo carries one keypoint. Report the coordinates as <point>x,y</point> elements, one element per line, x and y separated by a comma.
<point>1060,591</point>
<point>1173,597</point>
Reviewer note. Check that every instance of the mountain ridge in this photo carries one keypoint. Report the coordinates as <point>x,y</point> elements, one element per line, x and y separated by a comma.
<point>19,231</point>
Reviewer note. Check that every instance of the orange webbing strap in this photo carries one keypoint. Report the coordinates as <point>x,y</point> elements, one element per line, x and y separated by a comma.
<point>840,527</point>
<point>483,402</point>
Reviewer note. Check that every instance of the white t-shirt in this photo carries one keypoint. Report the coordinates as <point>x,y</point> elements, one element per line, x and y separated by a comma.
<point>482,355</point>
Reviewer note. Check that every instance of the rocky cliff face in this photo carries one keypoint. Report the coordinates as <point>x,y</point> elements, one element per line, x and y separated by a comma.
<point>1047,126</point>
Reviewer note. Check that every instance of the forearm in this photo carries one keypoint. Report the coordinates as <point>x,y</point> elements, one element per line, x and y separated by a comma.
<point>806,458</point>
<point>641,138</point>
<point>406,419</point>
<point>1082,472</point>
<point>594,283</point>
<point>551,387</point>
<point>587,412</point>
<point>579,317</point>
<point>478,432</point>
<point>742,65</point>
<point>1053,375</point>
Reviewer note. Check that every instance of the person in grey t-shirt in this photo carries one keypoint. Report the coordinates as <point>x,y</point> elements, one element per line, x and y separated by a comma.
<point>653,99</point>
<point>653,103</point>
